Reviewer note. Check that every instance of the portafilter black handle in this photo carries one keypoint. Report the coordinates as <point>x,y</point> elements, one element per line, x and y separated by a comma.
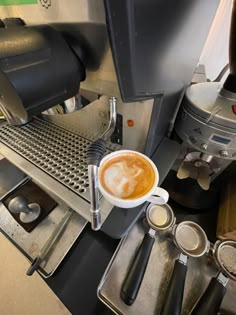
<point>172,303</point>
<point>210,301</point>
<point>135,274</point>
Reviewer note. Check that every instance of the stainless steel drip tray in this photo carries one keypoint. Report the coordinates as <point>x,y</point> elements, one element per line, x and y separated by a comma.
<point>58,152</point>
<point>55,158</point>
<point>31,243</point>
<point>156,278</point>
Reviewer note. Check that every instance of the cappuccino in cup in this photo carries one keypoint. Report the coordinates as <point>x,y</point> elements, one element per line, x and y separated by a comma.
<point>129,178</point>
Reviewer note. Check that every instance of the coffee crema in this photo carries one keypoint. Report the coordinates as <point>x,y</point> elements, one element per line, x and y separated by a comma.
<point>127,176</point>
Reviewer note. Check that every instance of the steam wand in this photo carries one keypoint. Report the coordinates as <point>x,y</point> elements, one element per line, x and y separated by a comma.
<point>95,153</point>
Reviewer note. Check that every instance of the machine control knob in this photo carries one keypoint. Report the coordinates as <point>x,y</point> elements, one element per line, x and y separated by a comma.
<point>204,146</point>
<point>224,153</point>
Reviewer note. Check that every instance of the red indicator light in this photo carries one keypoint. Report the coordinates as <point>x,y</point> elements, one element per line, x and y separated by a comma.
<point>234,109</point>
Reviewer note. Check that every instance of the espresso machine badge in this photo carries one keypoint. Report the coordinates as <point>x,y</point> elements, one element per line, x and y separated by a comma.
<point>46,3</point>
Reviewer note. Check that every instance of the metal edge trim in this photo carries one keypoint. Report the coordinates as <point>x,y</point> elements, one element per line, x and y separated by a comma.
<point>48,275</point>
<point>25,254</point>
<point>18,185</point>
<point>103,279</point>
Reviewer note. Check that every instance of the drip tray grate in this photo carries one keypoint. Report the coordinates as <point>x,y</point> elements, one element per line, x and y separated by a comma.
<point>58,152</point>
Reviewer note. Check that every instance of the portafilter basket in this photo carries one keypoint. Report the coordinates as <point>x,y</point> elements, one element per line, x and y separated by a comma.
<point>160,217</point>
<point>191,239</point>
<point>225,255</point>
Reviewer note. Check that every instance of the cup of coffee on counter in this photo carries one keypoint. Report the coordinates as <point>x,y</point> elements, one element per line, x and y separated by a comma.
<point>129,178</point>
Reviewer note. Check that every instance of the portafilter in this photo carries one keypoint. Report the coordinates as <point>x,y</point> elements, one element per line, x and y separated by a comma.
<point>224,253</point>
<point>192,241</point>
<point>159,218</point>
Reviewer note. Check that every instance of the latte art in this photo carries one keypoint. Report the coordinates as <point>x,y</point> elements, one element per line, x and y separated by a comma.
<point>121,179</point>
<point>127,176</point>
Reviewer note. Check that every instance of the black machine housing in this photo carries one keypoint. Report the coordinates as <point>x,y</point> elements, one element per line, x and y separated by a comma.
<point>39,68</point>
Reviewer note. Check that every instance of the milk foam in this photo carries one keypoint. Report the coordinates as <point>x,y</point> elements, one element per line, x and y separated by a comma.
<point>122,179</point>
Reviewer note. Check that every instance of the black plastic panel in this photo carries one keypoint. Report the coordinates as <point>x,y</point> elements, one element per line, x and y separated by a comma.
<point>76,280</point>
<point>39,64</point>
<point>117,136</point>
<point>156,44</point>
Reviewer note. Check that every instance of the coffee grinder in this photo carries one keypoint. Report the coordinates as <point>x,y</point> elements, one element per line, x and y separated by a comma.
<point>206,125</point>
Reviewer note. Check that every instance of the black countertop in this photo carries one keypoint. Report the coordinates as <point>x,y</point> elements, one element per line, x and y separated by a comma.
<point>76,280</point>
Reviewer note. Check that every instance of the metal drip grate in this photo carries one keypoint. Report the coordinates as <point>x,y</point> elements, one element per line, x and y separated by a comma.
<point>58,152</point>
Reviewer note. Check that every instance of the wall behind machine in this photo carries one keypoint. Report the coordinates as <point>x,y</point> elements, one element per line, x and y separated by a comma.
<point>215,54</point>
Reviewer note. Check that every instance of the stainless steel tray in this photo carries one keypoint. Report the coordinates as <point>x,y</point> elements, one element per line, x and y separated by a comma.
<point>155,281</point>
<point>56,151</point>
<point>31,243</point>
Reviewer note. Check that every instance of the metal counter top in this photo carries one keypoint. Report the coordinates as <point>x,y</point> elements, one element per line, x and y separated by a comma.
<point>154,285</point>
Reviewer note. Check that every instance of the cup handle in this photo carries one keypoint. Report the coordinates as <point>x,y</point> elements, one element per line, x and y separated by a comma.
<point>160,196</point>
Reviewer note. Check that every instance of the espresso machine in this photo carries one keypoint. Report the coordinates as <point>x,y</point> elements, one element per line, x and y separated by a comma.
<point>125,83</point>
<point>48,59</point>
<point>107,75</point>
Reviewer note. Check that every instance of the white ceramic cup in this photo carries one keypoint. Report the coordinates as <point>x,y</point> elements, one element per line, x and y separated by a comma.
<point>155,195</point>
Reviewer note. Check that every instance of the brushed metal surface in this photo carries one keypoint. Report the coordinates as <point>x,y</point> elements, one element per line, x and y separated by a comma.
<point>92,120</point>
<point>58,152</point>
<point>153,288</point>
<point>31,243</point>
<point>49,184</point>
<point>206,121</point>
